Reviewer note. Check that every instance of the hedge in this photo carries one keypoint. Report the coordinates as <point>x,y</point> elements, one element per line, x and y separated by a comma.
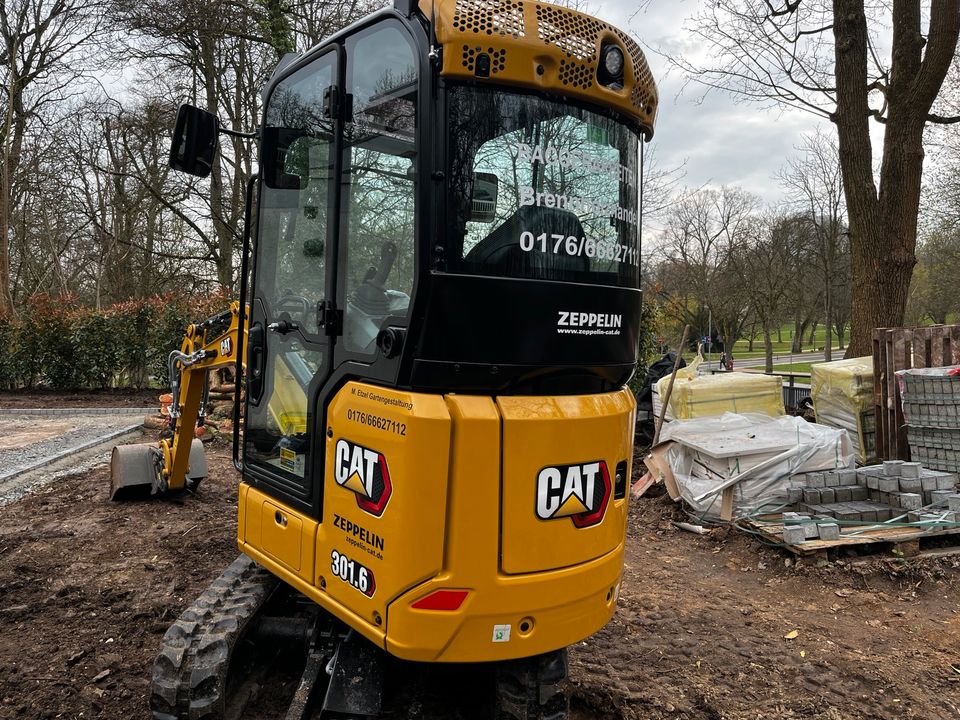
<point>57,343</point>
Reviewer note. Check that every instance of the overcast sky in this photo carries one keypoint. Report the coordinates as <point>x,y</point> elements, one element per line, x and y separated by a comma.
<point>723,142</point>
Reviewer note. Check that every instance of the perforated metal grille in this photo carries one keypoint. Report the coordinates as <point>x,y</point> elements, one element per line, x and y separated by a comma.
<point>576,74</point>
<point>498,58</point>
<point>573,33</point>
<point>579,37</point>
<point>489,17</point>
<point>642,96</point>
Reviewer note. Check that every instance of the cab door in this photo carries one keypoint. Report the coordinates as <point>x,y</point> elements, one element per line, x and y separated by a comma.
<point>289,349</point>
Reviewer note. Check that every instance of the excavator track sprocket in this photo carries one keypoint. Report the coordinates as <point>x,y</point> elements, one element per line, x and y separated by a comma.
<point>190,673</point>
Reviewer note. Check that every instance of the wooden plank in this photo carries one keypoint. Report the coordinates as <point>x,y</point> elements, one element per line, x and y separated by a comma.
<point>889,366</point>
<point>902,358</point>
<point>897,349</point>
<point>726,504</point>
<point>878,374</point>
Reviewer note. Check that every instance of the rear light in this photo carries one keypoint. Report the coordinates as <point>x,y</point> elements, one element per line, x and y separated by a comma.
<point>447,600</point>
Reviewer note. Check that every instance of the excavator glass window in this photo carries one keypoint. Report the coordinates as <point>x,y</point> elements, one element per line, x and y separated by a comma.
<point>542,190</point>
<point>379,183</point>
<point>295,202</point>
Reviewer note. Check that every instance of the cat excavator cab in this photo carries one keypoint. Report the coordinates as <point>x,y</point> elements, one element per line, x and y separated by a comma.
<point>445,263</point>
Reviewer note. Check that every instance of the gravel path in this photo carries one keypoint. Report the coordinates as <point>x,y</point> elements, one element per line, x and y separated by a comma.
<point>28,441</point>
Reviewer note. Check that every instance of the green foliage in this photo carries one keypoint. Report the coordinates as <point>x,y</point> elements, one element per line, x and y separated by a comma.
<point>651,321</point>
<point>59,344</point>
<point>275,26</point>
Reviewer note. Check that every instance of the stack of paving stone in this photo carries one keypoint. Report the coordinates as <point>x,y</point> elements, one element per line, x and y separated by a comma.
<point>931,408</point>
<point>895,490</point>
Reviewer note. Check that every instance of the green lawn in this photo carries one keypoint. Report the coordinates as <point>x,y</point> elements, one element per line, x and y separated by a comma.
<point>800,367</point>
<point>740,351</point>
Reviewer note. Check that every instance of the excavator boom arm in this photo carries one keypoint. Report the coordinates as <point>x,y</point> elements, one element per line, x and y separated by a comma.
<point>206,346</point>
<point>159,467</point>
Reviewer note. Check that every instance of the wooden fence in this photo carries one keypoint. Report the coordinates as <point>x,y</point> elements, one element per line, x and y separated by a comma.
<point>899,349</point>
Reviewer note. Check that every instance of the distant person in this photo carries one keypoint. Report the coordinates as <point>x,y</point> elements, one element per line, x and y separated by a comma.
<point>728,363</point>
<point>723,360</point>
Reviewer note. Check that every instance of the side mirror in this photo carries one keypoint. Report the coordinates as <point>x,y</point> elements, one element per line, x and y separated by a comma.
<point>194,141</point>
<point>284,160</point>
<point>483,199</point>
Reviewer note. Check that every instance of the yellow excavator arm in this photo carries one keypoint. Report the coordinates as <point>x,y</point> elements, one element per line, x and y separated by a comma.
<point>169,464</point>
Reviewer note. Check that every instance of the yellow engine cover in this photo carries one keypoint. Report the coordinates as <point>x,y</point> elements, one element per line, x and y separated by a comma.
<point>571,446</point>
<point>507,505</point>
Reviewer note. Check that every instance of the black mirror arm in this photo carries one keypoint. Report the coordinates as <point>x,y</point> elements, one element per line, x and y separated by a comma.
<point>236,133</point>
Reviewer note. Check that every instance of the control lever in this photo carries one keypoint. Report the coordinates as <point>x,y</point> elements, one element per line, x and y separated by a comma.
<point>283,327</point>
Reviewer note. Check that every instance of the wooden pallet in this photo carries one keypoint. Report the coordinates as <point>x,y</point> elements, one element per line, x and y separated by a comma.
<point>900,349</point>
<point>909,541</point>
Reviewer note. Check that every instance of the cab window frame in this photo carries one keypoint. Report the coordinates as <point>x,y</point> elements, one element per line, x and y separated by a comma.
<point>374,363</point>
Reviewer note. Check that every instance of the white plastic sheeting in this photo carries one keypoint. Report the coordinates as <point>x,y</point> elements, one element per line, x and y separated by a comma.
<point>763,451</point>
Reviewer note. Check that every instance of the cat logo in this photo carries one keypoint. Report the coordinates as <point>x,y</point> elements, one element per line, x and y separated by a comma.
<point>580,492</point>
<point>364,472</point>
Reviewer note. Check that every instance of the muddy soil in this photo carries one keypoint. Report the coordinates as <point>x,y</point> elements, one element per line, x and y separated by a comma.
<point>87,588</point>
<point>83,399</point>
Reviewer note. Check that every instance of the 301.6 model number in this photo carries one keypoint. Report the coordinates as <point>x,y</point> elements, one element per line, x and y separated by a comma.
<point>353,573</point>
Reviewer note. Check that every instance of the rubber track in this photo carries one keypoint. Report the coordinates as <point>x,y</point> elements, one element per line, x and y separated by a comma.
<point>190,673</point>
<point>531,688</point>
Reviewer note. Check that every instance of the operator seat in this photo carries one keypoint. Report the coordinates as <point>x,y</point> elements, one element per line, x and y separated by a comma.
<point>499,253</point>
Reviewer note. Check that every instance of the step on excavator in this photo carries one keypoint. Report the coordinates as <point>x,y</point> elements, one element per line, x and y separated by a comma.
<point>442,315</point>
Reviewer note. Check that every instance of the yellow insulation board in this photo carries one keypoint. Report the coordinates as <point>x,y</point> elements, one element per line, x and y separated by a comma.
<point>842,394</point>
<point>725,392</point>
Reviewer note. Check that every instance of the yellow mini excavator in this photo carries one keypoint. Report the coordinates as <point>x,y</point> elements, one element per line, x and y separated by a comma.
<point>443,313</point>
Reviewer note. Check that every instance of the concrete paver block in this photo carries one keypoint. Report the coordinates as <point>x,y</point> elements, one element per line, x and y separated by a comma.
<point>828,531</point>
<point>910,501</point>
<point>794,534</point>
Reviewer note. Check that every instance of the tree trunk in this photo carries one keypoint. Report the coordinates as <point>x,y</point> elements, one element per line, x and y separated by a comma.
<point>797,344</point>
<point>768,349</point>
<point>6,300</point>
<point>812,340</point>
<point>222,233</point>
<point>779,334</point>
<point>840,329</point>
<point>828,299</point>
<point>883,224</point>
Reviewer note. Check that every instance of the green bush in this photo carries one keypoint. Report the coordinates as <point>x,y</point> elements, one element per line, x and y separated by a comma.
<point>59,344</point>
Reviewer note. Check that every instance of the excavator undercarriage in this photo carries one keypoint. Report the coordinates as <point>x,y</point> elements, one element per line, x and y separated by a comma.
<point>214,659</point>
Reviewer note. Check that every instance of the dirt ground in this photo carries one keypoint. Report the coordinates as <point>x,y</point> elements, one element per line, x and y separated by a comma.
<point>87,588</point>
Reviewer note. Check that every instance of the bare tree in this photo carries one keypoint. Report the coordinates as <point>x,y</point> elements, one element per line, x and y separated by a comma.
<point>826,58</point>
<point>694,276</point>
<point>815,186</point>
<point>762,262</point>
<point>936,294</point>
<point>41,61</point>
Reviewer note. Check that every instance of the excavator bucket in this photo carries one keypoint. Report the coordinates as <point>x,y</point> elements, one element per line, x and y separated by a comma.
<point>135,471</point>
<point>197,470</point>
